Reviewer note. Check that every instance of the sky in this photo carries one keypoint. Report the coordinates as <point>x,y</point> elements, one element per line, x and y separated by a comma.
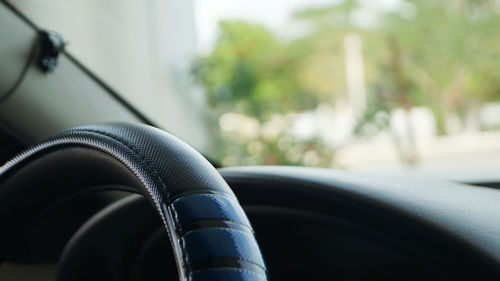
<point>274,14</point>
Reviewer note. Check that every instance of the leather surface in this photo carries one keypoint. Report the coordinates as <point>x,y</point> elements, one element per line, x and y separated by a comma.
<point>462,217</point>
<point>209,231</point>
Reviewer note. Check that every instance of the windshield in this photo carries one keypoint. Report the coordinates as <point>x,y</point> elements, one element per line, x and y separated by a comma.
<point>335,84</point>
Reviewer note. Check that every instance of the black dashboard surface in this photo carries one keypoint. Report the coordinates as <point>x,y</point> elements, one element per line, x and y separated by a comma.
<point>311,224</point>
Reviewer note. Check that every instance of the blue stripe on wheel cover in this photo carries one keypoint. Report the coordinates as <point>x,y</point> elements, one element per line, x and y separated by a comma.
<point>214,243</point>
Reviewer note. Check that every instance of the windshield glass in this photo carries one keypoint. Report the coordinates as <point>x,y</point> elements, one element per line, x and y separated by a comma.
<point>337,84</point>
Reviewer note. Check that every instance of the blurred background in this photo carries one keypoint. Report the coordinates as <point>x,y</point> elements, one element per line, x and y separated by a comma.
<point>353,84</point>
<point>407,85</point>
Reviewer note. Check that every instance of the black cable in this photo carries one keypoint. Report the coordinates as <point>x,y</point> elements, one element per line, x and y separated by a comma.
<point>20,15</point>
<point>80,66</point>
<point>89,73</point>
<point>20,78</point>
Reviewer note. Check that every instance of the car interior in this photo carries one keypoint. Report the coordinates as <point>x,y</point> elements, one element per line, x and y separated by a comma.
<point>92,188</point>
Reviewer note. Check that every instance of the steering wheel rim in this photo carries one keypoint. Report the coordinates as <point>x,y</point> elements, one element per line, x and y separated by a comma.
<point>210,234</point>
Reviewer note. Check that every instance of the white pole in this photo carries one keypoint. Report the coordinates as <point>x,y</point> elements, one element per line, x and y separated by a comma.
<point>355,74</point>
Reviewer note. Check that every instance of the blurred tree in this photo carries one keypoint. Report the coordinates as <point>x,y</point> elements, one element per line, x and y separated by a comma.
<point>440,54</point>
<point>450,48</point>
<point>250,72</point>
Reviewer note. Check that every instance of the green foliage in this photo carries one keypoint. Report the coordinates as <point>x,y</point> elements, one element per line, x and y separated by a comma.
<point>250,72</point>
<point>444,55</point>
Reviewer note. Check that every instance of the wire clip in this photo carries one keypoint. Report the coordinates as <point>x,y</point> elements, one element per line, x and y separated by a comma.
<point>51,44</point>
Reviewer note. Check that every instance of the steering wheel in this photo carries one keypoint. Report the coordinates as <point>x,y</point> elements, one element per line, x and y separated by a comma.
<point>209,232</point>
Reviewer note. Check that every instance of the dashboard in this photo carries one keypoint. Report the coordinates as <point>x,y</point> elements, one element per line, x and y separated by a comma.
<point>311,224</point>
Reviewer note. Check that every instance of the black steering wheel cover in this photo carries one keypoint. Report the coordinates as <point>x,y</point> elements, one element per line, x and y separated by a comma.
<point>211,236</point>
